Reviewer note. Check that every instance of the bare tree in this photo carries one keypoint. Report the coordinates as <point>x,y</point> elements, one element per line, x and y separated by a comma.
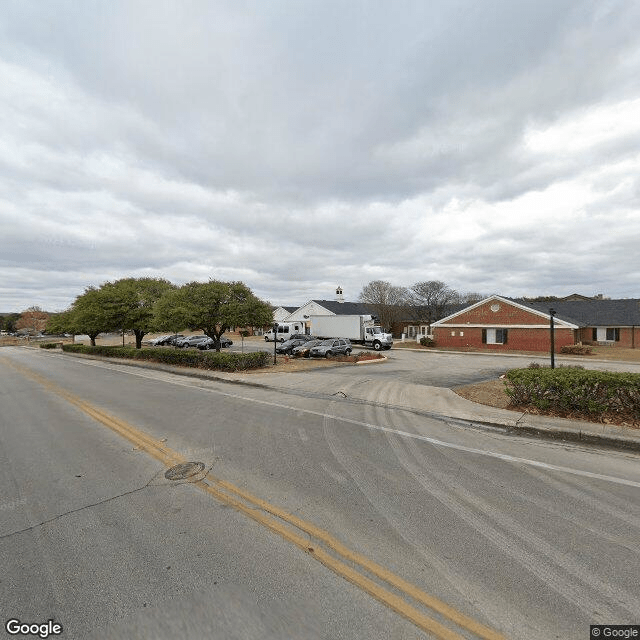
<point>431,300</point>
<point>388,301</point>
<point>471,297</point>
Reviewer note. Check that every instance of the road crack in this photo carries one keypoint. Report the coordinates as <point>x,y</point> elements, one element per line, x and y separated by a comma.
<point>83,508</point>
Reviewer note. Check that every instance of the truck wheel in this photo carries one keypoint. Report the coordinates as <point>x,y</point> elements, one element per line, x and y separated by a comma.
<point>348,352</point>
<point>377,345</point>
<point>266,339</point>
<point>328,354</point>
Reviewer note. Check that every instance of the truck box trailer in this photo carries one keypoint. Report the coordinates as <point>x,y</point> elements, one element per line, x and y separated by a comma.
<point>361,329</point>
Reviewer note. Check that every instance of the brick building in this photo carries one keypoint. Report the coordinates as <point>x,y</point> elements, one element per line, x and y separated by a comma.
<point>498,323</point>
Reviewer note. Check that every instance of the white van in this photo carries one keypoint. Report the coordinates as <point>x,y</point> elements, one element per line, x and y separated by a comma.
<point>285,331</point>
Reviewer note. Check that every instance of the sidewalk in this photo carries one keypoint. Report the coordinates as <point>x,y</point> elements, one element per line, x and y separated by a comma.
<point>436,401</point>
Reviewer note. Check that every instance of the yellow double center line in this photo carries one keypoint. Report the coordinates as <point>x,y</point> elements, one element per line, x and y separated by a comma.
<point>343,561</point>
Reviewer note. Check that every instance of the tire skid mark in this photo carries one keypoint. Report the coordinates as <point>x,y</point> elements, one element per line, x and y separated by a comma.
<point>480,516</point>
<point>491,613</point>
<point>548,505</point>
<point>483,601</point>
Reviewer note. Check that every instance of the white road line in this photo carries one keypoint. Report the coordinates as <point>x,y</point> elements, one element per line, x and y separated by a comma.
<point>368,425</point>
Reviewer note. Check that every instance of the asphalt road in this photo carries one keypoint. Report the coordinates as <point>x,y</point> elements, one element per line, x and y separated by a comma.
<point>468,529</point>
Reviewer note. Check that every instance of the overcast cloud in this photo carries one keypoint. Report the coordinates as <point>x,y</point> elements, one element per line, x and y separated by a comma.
<point>298,146</point>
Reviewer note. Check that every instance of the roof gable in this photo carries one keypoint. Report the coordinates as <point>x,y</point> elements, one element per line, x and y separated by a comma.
<point>497,311</point>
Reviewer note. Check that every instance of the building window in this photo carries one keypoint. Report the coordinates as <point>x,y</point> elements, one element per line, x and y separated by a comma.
<point>494,336</point>
<point>606,334</point>
<point>613,334</point>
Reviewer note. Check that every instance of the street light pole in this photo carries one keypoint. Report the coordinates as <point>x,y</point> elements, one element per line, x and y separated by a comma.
<point>275,340</point>
<point>552,330</point>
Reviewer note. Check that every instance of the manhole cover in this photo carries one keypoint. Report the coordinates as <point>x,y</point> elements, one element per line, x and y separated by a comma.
<point>184,471</point>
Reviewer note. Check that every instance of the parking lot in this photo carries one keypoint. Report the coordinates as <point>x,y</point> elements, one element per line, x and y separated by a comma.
<point>447,369</point>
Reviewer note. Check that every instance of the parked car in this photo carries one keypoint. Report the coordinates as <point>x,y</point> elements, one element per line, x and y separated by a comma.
<point>192,341</point>
<point>332,347</point>
<point>156,342</point>
<point>287,347</point>
<point>209,344</point>
<point>305,347</point>
<point>174,339</point>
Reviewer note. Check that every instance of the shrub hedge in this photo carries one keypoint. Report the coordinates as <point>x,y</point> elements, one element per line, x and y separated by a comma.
<point>48,345</point>
<point>427,342</point>
<point>576,391</point>
<point>577,349</point>
<point>190,358</point>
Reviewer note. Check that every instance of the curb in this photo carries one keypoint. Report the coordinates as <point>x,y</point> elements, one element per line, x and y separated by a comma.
<point>608,441</point>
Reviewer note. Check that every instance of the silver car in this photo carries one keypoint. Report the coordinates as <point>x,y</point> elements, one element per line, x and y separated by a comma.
<point>332,347</point>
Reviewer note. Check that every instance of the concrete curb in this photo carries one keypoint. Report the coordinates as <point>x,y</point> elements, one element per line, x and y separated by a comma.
<point>589,434</point>
<point>375,361</point>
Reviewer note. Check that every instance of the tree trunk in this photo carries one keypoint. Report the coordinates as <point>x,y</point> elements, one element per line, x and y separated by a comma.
<point>139,335</point>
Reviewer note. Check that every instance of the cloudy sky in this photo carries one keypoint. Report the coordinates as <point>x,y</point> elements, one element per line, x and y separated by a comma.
<point>299,145</point>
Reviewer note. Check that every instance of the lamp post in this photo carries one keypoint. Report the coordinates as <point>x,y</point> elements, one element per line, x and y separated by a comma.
<point>552,313</point>
<point>275,340</point>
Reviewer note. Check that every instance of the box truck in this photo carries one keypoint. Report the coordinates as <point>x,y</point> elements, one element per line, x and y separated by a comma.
<point>361,329</point>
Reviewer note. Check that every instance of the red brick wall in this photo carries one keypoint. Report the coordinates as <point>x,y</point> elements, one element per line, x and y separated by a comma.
<point>629,337</point>
<point>517,339</point>
<point>506,314</point>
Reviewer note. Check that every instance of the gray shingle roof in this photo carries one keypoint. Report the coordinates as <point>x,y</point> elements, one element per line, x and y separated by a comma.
<point>591,313</point>
<point>346,308</point>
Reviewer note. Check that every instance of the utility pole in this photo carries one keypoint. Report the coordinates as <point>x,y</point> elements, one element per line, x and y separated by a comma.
<point>275,340</point>
<point>552,330</point>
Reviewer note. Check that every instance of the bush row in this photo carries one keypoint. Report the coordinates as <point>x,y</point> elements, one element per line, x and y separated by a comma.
<point>190,358</point>
<point>576,391</point>
<point>48,345</point>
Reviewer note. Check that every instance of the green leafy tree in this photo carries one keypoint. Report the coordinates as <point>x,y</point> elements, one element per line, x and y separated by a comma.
<point>129,304</point>
<point>58,323</point>
<point>8,323</point>
<point>87,315</point>
<point>170,313</point>
<point>213,307</point>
